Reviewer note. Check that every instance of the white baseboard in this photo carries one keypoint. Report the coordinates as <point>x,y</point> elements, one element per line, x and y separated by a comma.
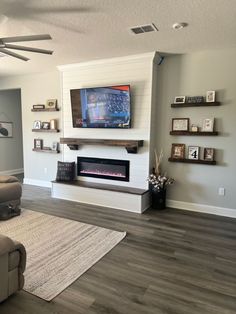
<point>207,209</point>
<point>46,184</point>
<point>11,172</point>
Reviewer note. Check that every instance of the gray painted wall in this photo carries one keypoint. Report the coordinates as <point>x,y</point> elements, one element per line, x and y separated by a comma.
<point>11,149</point>
<point>193,75</point>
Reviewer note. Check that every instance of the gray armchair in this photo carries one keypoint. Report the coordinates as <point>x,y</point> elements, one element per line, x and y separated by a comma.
<point>12,266</point>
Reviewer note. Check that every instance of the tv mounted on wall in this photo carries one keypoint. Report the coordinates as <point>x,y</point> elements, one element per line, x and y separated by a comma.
<point>101,107</point>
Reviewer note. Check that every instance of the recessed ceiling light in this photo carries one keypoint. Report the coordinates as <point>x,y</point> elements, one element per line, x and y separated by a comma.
<point>178,26</point>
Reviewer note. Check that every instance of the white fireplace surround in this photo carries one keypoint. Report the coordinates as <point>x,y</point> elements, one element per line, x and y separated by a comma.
<point>138,71</point>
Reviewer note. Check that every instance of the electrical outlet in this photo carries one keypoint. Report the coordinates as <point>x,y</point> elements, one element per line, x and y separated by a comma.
<point>221,191</point>
<point>45,170</point>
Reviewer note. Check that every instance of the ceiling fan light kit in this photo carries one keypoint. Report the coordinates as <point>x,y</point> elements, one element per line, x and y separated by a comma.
<point>5,45</point>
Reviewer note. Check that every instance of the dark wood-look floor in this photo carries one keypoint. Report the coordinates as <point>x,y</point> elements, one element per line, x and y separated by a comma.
<point>171,262</point>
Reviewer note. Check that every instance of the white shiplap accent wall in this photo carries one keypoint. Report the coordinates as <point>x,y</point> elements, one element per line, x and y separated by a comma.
<point>133,70</point>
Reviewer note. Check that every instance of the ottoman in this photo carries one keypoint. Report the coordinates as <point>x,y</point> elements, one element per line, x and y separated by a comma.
<point>10,196</point>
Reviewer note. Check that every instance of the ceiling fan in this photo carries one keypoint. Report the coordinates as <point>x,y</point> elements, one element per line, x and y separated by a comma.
<point>5,44</point>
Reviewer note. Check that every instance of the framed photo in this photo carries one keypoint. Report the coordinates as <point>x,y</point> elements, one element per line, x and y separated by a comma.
<point>39,106</point>
<point>210,96</point>
<point>208,153</point>
<point>180,124</point>
<point>193,152</point>
<point>55,146</point>
<point>38,143</point>
<point>46,125</point>
<point>178,151</point>
<point>37,124</point>
<point>51,104</point>
<point>5,129</point>
<point>179,100</point>
<point>208,125</point>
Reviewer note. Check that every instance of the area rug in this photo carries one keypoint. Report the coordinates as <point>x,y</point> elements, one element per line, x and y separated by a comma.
<point>58,250</point>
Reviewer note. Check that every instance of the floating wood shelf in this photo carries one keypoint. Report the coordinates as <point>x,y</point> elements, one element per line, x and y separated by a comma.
<point>193,161</point>
<point>130,145</point>
<point>46,151</point>
<point>46,109</point>
<point>201,133</point>
<point>46,130</point>
<point>197,104</point>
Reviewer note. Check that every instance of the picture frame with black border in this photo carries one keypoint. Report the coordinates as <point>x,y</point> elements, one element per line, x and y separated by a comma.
<point>180,124</point>
<point>179,100</point>
<point>178,151</point>
<point>193,152</point>
<point>208,153</point>
<point>55,146</point>
<point>38,143</point>
<point>6,129</point>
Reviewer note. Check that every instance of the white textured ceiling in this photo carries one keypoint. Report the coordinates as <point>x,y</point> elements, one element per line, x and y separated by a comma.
<point>85,30</point>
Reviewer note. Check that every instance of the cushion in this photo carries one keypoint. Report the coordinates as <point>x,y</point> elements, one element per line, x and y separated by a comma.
<point>65,171</point>
<point>8,179</point>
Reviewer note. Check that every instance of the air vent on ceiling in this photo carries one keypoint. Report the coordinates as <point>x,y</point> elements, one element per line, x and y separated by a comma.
<point>144,29</point>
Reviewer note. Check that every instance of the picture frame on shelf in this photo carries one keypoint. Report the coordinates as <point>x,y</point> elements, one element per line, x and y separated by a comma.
<point>193,152</point>
<point>210,96</point>
<point>6,129</point>
<point>208,153</point>
<point>51,104</point>
<point>46,125</point>
<point>208,125</point>
<point>38,143</point>
<point>54,146</point>
<point>178,151</point>
<point>179,100</point>
<point>39,106</point>
<point>37,125</point>
<point>180,124</point>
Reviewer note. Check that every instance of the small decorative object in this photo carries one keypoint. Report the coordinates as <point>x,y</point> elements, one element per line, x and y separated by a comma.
<point>210,96</point>
<point>55,146</point>
<point>5,129</point>
<point>38,143</point>
<point>65,171</point>
<point>37,124</point>
<point>195,99</point>
<point>208,154</point>
<point>158,183</point>
<point>180,124</point>
<point>46,125</point>
<point>179,100</point>
<point>51,104</point>
<point>53,124</point>
<point>194,128</point>
<point>193,152</point>
<point>178,151</point>
<point>39,106</point>
<point>208,125</point>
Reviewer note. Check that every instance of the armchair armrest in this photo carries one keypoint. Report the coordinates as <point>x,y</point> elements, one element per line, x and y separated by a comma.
<point>8,179</point>
<point>6,245</point>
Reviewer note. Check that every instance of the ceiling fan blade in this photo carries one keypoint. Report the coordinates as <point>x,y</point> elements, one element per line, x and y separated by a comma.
<point>25,38</point>
<point>13,54</point>
<point>38,50</point>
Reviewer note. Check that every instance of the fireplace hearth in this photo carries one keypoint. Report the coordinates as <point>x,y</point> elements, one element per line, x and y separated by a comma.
<point>111,169</point>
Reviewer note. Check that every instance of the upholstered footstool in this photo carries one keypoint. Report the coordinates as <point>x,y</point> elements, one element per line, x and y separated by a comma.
<point>10,197</point>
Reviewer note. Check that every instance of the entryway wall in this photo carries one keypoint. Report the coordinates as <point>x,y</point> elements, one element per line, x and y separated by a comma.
<point>11,149</point>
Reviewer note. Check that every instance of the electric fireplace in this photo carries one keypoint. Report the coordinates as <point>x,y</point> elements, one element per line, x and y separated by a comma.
<point>111,169</point>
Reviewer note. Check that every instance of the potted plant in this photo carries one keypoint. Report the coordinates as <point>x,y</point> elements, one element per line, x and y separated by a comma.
<point>158,183</point>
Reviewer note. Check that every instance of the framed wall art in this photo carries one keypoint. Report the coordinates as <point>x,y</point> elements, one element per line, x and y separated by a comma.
<point>178,151</point>
<point>193,152</point>
<point>210,96</point>
<point>6,129</point>
<point>38,143</point>
<point>208,154</point>
<point>179,100</point>
<point>51,104</point>
<point>180,124</point>
<point>208,125</point>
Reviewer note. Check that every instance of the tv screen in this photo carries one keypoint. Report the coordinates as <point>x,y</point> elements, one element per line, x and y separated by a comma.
<point>101,107</point>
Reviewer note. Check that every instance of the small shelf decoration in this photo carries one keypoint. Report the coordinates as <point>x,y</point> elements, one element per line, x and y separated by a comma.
<point>178,151</point>
<point>39,126</point>
<point>193,152</point>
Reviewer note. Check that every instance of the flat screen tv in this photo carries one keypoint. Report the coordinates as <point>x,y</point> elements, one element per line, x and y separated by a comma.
<point>101,107</point>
